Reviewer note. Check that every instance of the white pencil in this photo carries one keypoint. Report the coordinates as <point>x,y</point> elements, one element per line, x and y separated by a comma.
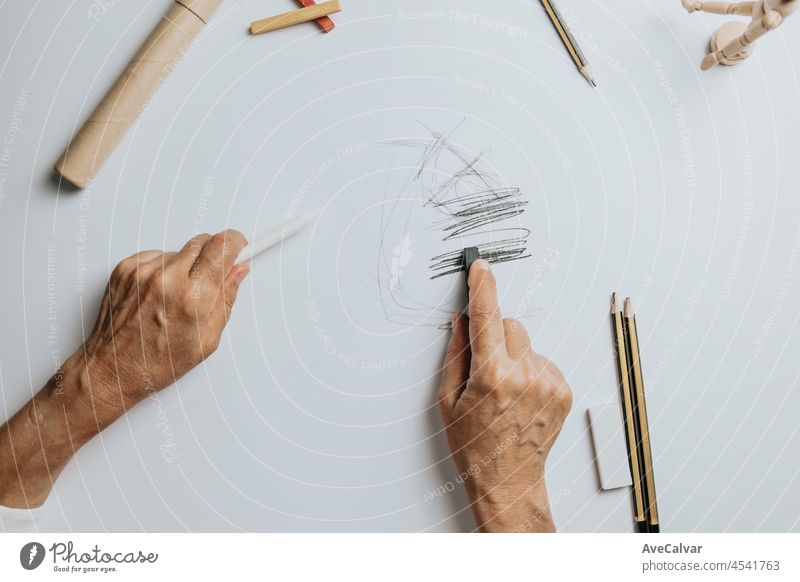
<point>267,241</point>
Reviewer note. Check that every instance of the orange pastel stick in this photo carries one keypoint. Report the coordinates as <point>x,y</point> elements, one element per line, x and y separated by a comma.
<point>325,23</point>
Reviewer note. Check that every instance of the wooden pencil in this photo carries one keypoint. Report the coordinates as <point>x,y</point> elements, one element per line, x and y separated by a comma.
<point>628,410</point>
<point>574,50</point>
<point>640,406</point>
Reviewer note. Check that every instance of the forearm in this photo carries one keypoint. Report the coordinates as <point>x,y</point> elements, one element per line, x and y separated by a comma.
<point>161,315</point>
<point>525,512</point>
<point>38,442</point>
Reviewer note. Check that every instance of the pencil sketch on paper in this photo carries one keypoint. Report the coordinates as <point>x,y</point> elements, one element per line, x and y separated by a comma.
<point>460,201</point>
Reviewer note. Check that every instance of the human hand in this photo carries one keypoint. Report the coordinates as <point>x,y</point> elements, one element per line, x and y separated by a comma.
<point>503,406</point>
<point>162,314</point>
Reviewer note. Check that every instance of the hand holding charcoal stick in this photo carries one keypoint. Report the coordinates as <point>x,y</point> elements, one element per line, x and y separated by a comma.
<point>503,406</point>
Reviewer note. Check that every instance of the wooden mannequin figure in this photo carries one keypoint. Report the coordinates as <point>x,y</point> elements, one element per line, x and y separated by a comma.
<point>733,42</point>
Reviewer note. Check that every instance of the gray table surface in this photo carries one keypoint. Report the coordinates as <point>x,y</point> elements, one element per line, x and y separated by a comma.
<point>317,413</point>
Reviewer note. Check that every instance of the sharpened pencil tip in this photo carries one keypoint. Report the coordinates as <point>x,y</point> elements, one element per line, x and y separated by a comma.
<point>587,74</point>
<point>613,303</point>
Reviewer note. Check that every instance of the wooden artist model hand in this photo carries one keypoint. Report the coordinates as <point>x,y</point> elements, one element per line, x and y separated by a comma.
<point>162,314</point>
<point>503,406</point>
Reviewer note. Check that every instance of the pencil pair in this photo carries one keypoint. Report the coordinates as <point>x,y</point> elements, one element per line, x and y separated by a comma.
<point>637,431</point>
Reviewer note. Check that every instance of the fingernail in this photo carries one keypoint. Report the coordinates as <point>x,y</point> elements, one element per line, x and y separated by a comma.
<point>481,265</point>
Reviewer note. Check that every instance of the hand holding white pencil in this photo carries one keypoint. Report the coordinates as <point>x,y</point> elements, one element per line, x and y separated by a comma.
<point>194,290</point>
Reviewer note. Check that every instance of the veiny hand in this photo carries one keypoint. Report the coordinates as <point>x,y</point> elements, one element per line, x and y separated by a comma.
<point>503,406</point>
<point>162,314</point>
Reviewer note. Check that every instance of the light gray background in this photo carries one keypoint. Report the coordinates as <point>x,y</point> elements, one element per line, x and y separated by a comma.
<point>676,188</point>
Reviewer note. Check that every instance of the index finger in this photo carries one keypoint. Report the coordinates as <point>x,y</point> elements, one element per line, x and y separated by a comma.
<point>219,254</point>
<point>186,257</point>
<point>486,331</point>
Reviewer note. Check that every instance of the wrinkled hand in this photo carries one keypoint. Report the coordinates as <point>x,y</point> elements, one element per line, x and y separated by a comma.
<point>503,406</point>
<point>163,314</point>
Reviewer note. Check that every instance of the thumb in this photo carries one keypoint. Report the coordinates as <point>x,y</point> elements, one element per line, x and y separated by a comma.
<point>455,372</point>
<point>230,289</point>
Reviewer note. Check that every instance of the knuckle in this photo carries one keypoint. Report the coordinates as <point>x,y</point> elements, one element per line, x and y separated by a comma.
<point>196,243</point>
<point>553,370</point>
<point>493,375</point>
<point>122,270</point>
<point>212,346</point>
<point>551,388</point>
<point>217,241</point>
<point>182,297</point>
<point>215,249</point>
<point>211,343</point>
<point>142,276</point>
<point>199,240</point>
<point>502,394</point>
<point>233,236</point>
<point>546,388</point>
<point>154,283</point>
<point>565,396</point>
<point>186,301</point>
<point>481,312</point>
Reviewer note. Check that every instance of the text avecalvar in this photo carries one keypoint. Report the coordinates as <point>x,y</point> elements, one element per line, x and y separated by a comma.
<point>671,549</point>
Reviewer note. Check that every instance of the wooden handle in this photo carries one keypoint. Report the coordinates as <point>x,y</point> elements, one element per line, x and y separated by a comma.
<point>127,98</point>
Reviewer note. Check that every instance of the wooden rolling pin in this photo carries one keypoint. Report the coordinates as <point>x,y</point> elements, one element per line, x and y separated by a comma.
<point>124,102</point>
